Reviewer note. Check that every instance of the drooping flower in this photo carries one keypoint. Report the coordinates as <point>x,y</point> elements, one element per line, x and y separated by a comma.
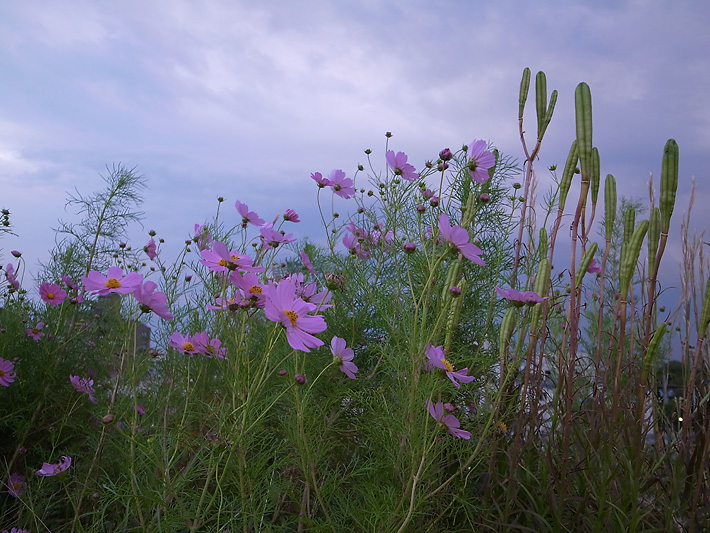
<point>291,216</point>
<point>594,267</point>
<point>16,485</point>
<point>84,385</point>
<point>341,185</point>
<point>202,237</point>
<point>150,249</point>
<point>248,217</point>
<point>150,300</point>
<point>320,180</point>
<point>35,333</point>
<point>458,238</point>
<point>208,347</point>
<point>7,372</point>
<point>343,356</point>
<point>11,277</point>
<point>114,281</point>
<point>69,282</point>
<point>283,306</point>
<point>437,359</point>
<point>270,238</point>
<point>400,167</point>
<point>479,161</point>
<point>221,259</point>
<point>520,299</point>
<point>184,344</point>
<point>52,293</point>
<point>49,469</point>
<point>307,263</point>
<point>450,422</point>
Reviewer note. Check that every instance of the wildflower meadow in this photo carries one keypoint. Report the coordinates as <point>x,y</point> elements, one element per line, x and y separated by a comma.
<point>465,349</point>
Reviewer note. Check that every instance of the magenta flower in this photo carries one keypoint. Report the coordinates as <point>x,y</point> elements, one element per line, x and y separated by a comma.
<point>307,263</point>
<point>479,161</point>
<point>35,333</point>
<point>594,267</point>
<point>16,485</point>
<point>458,238</point>
<point>283,306</point>
<point>400,167</point>
<point>320,180</point>
<point>52,293</point>
<point>208,347</point>
<point>7,372</point>
<point>184,344</point>
<point>15,530</point>
<point>341,185</point>
<point>248,217</point>
<point>114,281</point>
<point>149,300</point>
<point>450,422</point>
<point>11,277</point>
<point>520,299</point>
<point>84,385</point>
<point>54,469</point>
<point>139,409</point>
<point>291,216</point>
<point>150,248</point>
<point>270,238</point>
<point>249,284</point>
<point>438,359</point>
<point>343,356</point>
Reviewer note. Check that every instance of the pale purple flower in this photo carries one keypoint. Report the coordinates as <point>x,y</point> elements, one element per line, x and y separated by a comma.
<point>283,306</point>
<point>16,485</point>
<point>84,385</point>
<point>291,216</point>
<point>341,185</point>
<point>248,217</point>
<point>252,290</point>
<point>35,333</point>
<point>54,469</point>
<point>518,298</point>
<point>114,281</point>
<point>320,180</point>
<point>11,277</point>
<point>458,238</point>
<point>202,237</point>
<point>150,249</point>
<point>594,267</point>
<point>222,259</point>
<point>400,167</point>
<point>270,238</point>
<point>450,422</point>
<point>139,409</point>
<point>208,347</point>
<point>7,372</point>
<point>69,282</point>
<point>184,344</point>
<point>479,161</point>
<point>52,293</point>
<point>150,300</point>
<point>307,263</point>
<point>437,359</point>
<point>343,356</point>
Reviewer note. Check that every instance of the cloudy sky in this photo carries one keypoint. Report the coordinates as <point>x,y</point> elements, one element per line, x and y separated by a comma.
<point>246,99</point>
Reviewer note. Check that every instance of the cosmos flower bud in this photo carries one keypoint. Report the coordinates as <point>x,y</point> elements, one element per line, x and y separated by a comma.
<point>409,247</point>
<point>446,155</point>
<point>107,419</point>
<point>15,253</point>
<point>455,291</point>
<point>484,197</point>
<point>300,379</point>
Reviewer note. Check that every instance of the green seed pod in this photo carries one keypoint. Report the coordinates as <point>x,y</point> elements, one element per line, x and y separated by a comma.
<point>595,176</point>
<point>507,326</point>
<point>524,87</point>
<point>567,174</point>
<point>541,102</point>
<point>705,314</point>
<point>550,111</point>
<point>654,236</point>
<point>650,357</point>
<point>630,257</point>
<point>584,264</point>
<point>543,243</point>
<point>609,205</point>
<point>669,183</point>
<point>583,119</point>
<point>454,314</point>
<point>629,222</point>
<point>541,286</point>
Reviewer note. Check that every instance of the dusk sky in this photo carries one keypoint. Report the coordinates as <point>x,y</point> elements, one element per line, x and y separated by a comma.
<point>247,99</point>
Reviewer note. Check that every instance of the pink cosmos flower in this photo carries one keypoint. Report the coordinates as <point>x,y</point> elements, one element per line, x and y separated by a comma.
<point>450,422</point>
<point>343,356</point>
<point>594,267</point>
<point>150,248</point>
<point>150,300</point>
<point>202,237</point>
<point>54,469</point>
<point>139,409</point>
<point>283,306</point>
<point>270,238</point>
<point>7,372</point>
<point>248,217</point>
<point>249,284</point>
<point>518,298</point>
<point>35,332</point>
<point>11,277</point>
<point>16,485</point>
<point>458,238</point>
<point>341,185</point>
<point>320,180</point>
<point>221,259</point>
<point>114,281</point>
<point>438,359</point>
<point>352,243</point>
<point>208,347</point>
<point>307,263</point>
<point>232,303</point>
<point>184,344</point>
<point>291,216</point>
<point>84,385</point>
<point>479,161</point>
<point>398,163</point>
<point>15,530</point>
<point>69,282</point>
<point>52,293</point>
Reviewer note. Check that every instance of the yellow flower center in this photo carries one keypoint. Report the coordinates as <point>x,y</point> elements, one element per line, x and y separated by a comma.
<point>2,373</point>
<point>235,257</point>
<point>222,262</point>
<point>35,331</point>
<point>188,346</point>
<point>15,484</point>
<point>256,290</point>
<point>113,283</point>
<point>293,317</point>
<point>449,366</point>
<point>50,296</point>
